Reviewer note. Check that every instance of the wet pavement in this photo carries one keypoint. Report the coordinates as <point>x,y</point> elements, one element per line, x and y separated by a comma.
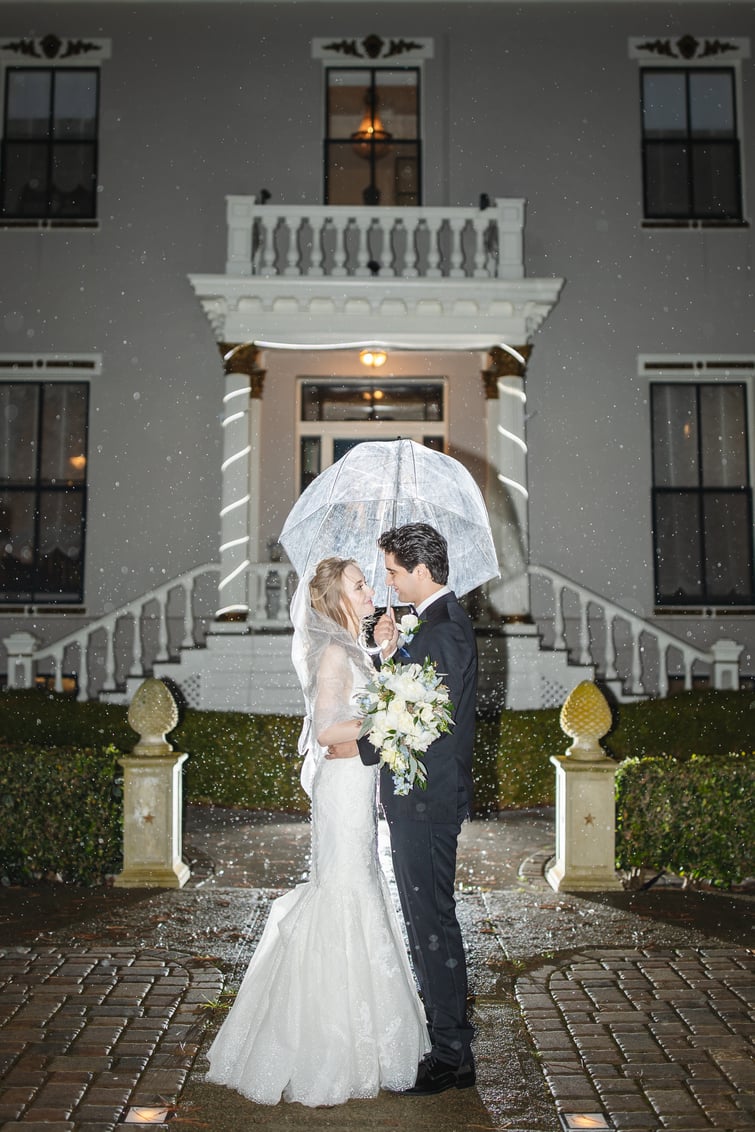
<point>624,1011</point>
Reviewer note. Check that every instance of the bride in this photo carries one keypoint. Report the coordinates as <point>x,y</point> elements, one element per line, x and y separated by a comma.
<point>328,1008</point>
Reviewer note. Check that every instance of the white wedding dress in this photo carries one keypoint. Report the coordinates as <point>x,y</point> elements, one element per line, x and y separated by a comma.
<point>328,1008</point>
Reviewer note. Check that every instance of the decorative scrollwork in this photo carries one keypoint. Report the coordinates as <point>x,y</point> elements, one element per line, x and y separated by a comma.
<point>372,47</point>
<point>51,47</point>
<point>687,47</point>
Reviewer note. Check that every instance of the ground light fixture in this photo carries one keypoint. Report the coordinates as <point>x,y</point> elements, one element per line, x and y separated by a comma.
<point>571,1121</point>
<point>148,1114</point>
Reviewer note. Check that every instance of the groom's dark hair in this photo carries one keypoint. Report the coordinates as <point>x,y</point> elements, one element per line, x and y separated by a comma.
<point>418,542</point>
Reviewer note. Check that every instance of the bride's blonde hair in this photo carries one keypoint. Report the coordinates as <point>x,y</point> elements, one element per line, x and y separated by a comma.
<point>326,590</point>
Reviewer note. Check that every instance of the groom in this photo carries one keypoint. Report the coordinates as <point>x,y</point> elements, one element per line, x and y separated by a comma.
<point>425,824</point>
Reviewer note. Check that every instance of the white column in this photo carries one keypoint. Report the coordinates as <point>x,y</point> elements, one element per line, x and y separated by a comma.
<point>507,494</point>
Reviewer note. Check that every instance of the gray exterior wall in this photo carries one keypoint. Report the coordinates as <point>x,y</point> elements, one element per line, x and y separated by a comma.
<point>533,100</point>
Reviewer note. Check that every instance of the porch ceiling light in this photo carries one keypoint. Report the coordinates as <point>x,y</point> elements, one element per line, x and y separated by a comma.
<point>373,358</point>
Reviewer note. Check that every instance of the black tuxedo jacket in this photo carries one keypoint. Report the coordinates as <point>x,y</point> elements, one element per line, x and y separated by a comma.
<point>445,636</point>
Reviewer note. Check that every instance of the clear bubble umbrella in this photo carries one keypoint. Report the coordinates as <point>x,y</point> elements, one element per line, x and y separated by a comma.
<point>382,484</point>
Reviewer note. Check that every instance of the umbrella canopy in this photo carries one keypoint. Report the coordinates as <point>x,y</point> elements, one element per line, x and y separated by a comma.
<point>383,484</point>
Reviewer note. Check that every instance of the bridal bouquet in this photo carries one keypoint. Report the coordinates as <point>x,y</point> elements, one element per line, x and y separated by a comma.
<point>405,708</point>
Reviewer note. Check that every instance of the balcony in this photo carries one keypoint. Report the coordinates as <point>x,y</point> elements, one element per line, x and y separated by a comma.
<point>314,276</point>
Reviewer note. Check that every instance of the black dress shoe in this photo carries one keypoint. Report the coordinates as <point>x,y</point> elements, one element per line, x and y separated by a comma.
<point>434,1076</point>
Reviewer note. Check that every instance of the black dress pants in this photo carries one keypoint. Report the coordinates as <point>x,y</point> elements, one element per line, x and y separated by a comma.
<point>424,862</point>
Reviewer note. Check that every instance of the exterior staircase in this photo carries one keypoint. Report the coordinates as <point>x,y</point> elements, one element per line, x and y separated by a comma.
<point>227,666</point>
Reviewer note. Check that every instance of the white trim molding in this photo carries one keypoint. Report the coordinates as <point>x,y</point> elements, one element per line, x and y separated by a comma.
<point>49,367</point>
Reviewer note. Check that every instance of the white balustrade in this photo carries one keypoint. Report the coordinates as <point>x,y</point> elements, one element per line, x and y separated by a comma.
<point>647,652</point>
<point>338,240</point>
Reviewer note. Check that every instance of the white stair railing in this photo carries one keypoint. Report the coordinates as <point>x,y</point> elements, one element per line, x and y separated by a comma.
<point>606,634</point>
<point>100,645</point>
<point>152,629</point>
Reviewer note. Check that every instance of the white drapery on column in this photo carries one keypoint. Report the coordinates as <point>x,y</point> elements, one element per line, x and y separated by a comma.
<point>507,492</point>
<point>239,509</point>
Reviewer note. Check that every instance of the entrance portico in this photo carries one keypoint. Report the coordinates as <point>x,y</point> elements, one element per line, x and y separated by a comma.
<point>465,293</point>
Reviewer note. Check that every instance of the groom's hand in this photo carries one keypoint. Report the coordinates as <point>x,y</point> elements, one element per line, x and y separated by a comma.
<point>386,634</point>
<point>343,750</point>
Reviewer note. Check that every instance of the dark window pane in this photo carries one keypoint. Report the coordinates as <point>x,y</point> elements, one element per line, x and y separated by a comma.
<point>667,187</point>
<point>723,425</point>
<point>728,543</point>
<point>664,104</point>
<point>74,180</point>
<point>75,105</point>
<point>675,441</point>
<point>60,545</point>
<point>370,401</point>
<point>677,547</point>
<point>17,540</point>
<point>25,179</point>
<point>715,177</point>
<point>29,104</point>
<point>18,432</point>
<point>63,456</point>
<point>310,460</point>
<point>711,99</point>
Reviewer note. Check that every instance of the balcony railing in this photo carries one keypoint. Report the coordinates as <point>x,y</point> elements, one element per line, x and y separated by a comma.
<point>312,241</point>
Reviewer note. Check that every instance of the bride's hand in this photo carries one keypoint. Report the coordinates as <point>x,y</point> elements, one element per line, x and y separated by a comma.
<point>342,750</point>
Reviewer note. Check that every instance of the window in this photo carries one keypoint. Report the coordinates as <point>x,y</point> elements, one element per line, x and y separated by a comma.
<point>690,144</point>
<point>372,146</point>
<point>43,490</point>
<point>702,498</point>
<point>336,415</point>
<point>49,149</point>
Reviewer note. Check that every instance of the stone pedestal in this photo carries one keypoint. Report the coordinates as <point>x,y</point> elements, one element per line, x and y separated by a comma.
<point>152,795</point>
<point>585,826</point>
<point>152,822</point>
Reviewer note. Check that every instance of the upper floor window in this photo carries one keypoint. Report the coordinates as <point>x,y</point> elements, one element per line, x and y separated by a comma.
<point>690,144</point>
<point>43,490</point>
<point>702,495</point>
<point>372,143</point>
<point>49,147</point>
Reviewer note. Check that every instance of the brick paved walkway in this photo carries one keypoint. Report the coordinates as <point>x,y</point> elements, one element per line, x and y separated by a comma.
<point>86,1034</point>
<point>651,1040</point>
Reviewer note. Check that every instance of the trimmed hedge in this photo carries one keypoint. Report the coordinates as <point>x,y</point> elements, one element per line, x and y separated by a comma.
<point>60,814</point>
<point>694,818</point>
<point>55,772</point>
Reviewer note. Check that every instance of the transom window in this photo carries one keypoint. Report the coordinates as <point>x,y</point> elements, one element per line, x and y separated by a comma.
<point>336,415</point>
<point>702,496</point>
<point>50,129</point>
<point>43,490</point>
<point>372,144</point>
<point>690,144</point>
